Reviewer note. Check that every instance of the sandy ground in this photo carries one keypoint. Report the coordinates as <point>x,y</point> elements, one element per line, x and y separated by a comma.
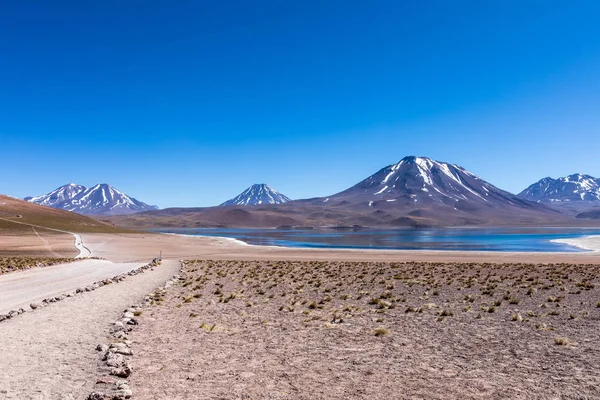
<point>24,287</point>
<point>38,243</point>
<point>307,330</point>
<point>49,353</point>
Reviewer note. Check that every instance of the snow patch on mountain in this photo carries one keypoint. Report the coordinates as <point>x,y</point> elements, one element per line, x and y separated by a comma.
<point>101,199</point>
<point>572,188</point>
<point>428,183</point>
<point>257,194</point>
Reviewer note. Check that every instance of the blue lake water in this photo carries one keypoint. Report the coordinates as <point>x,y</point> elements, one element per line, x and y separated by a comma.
<point>463,239</point>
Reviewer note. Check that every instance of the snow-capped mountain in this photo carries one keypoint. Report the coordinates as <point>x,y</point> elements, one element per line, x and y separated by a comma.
<point>424,181</point>
<point>256,195</point>
<point>101,199</point>
<point>569,189</point>
<point>58,196</point>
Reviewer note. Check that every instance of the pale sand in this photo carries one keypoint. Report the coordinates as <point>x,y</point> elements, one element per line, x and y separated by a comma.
<point>40,243</point>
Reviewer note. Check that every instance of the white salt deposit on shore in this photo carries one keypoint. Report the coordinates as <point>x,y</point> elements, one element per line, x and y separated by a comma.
<point>591,243</point>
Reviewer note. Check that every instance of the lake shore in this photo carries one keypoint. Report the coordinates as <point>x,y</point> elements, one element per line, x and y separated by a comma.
<point>591,243</point>
<point>524,240</point>
<point>134,247</point>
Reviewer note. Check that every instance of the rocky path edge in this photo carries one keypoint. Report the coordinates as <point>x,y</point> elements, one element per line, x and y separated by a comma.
<point>114,363</point>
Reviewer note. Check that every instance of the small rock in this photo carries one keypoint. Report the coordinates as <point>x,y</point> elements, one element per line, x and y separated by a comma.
<point>102,348</point>
<point>120,335</point>
<point>125,351</point>
<point>96,396</point>
<point>122,372</point>
<point>114,360</point>
<point>122,394</point>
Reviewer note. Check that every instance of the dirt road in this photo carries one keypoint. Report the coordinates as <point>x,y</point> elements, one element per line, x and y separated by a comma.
<point>49,353</point>
<point>20,289</point>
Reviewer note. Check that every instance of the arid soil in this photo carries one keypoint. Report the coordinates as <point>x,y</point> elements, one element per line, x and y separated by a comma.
<point>34,242</point>
<point>372,330</point>
<point>200,342</point>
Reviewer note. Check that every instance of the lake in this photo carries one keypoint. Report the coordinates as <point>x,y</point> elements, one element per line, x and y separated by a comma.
<point>463,239</point>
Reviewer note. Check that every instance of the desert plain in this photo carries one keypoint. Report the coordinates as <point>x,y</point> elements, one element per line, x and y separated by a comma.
<point>250,322</point>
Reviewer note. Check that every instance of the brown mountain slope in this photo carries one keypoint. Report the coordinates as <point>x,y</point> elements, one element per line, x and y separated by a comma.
<point>381,215</point>
<point>14,213</point>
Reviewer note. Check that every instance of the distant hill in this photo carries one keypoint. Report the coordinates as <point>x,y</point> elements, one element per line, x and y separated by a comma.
<point>415,192</point>
<point>256,195</point>
<point>13,212</point>
<point>591,214</point>
<point>101,199</point>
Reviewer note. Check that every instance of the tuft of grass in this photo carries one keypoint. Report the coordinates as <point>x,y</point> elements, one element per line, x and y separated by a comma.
<point>517,317</point>
<point>381,331</point>
<point>561,341</point>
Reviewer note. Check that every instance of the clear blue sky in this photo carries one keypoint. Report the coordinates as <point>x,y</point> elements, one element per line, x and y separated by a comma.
<point>186,103</point>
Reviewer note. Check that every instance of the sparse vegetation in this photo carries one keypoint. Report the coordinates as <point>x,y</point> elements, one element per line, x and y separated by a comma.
<point>348,315</point>
<point>9,264</point>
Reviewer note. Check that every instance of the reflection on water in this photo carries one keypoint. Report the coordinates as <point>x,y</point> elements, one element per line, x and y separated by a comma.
<point>474,239</point>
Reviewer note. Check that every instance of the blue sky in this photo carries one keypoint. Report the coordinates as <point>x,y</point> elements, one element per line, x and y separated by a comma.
<point>187,103</point>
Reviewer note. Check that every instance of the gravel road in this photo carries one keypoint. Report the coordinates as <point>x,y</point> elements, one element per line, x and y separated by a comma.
<point>49,353</point>
<point>19,289</point>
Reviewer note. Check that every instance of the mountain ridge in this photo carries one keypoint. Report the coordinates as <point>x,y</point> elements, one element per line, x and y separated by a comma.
<point>572,188</point>
<point>100,199</point>
<point>415,192</point>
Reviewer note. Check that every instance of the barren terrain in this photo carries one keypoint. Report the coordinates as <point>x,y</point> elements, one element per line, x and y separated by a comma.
<point>37,243</point>
<point>320,324</point>
<point>338,330</point>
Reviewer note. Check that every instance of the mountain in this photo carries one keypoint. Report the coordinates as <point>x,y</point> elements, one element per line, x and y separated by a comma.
<point>576,188</point>
<point>101,199</point>
<point>58,196</point>
<point>256,195</point>
<point>418,182</point>
<point>14,213</point>
<point>415,192</point>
